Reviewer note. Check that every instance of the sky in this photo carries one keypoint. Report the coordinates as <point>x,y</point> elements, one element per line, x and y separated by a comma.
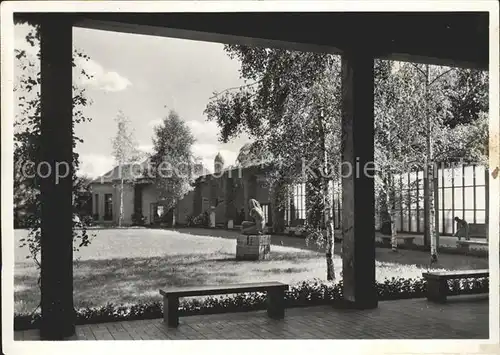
<point>145,77</point>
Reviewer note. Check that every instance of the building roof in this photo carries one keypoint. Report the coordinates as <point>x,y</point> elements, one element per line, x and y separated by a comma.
<point>129,172</point>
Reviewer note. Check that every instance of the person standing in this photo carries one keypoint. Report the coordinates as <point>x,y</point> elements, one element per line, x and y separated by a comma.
<point>462,229</point>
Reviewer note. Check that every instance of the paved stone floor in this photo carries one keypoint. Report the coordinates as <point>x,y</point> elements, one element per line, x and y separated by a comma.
<point>463,317</point>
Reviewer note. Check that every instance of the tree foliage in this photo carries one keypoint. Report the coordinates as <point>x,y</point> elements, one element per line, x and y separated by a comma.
<point>125,151</point>
<point>289,98</point>
<point>173,164</point>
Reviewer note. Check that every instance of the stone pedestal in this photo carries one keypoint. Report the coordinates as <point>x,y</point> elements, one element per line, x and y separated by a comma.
<point>212,217</point>
<point>253,247</point>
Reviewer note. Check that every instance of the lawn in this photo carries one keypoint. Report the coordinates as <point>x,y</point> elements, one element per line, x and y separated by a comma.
<point>128,266</point>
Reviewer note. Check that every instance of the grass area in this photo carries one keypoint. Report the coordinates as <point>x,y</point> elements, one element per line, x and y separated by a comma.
<point>129,266</point>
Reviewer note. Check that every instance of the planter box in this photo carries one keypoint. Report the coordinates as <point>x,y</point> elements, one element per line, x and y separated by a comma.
<point>253,247</point>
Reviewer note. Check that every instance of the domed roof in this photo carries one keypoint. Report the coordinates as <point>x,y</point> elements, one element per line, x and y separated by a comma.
<point>219,158</point>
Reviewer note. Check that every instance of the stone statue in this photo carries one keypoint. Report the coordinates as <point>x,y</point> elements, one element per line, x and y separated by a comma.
<point>257,226</point>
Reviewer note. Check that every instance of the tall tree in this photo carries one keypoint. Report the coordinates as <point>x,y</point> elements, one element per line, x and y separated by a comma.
<point>291,96</point>
<point>125,151</point>
<point>27,139</point>
<point>173,164</point>
<point>467,93</point>
<point>413,131</point>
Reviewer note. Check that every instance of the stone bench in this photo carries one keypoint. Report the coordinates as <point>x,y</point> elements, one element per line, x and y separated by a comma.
<point>275,297</point>
<point>465,244</point>
<point>408,239</point>
<point>437,282</point>
<point>478,230</point>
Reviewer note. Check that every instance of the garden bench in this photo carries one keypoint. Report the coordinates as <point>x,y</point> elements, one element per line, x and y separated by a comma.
<point>408,239</point>
<point>275,297</point>
<point>437,282</point>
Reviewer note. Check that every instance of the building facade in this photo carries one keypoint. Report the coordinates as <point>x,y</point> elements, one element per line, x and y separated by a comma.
<point>462,192</point>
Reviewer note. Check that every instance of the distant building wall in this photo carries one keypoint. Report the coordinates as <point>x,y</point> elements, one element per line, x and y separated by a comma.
<point>149,198</point>
<point>185,208</point>
<point>99,191</point>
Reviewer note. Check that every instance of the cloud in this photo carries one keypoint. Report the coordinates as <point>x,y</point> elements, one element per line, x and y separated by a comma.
<point>146,148</point>
<point>94,165</point>
<point>203,131</point>
<point>100,77</point>
<point>154,123</point>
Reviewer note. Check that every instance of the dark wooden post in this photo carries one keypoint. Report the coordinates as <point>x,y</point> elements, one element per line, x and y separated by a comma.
<point>487,200</point>
<point>358,200</point>
<point>58,316</point>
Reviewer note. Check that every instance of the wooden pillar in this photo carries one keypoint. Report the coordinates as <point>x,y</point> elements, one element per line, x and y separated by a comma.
<point>487,200</point>
<point>58,316</point>
<point>358,198</point>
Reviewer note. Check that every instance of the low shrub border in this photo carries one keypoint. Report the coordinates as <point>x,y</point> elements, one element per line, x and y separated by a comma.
<point>302,295</point>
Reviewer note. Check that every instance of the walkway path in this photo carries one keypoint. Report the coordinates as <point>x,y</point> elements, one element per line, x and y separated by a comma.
<point>464,317</point>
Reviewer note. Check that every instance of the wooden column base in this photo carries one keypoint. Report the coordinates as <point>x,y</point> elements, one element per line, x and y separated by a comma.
<point>171,311</point>
<point>437,289</point>
<point>276,303</point>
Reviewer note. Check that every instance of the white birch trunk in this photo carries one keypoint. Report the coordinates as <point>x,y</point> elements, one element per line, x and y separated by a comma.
<point>120,220</point>
<point>432,216</point>
<point>390,204</point>
<point>327,204</point>
<point>430,171</point>
<point>330,269</point>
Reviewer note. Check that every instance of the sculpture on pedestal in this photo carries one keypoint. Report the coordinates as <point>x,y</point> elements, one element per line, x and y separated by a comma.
<point>257,226</point>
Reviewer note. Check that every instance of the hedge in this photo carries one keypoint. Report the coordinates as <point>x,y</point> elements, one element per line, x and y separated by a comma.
<point>301,295</point>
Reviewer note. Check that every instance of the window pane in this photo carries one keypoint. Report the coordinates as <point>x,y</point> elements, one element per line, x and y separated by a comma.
<point>440,176</point>
<point>413,199</point>
<point>458,199</point>
<point>469,198</point>
<point>469,216</point>
<point>421,220</point>
<point>457,176</point>
<point>404,227</point>
<point>480,217</point>
<point>398,222</point>
<point>480,198</point>
<point>441,226</point>
<point>447,198</point>
<point>447,177</point>
<point>440,201</point>
<point>448,221</point>
<point>413,179</point>
<point>413,221</point>
<point>469,175</point>
<point>479,175</point>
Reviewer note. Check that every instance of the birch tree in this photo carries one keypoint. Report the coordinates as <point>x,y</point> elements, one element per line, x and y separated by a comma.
<point>125,152</point>
<point>290,98</point>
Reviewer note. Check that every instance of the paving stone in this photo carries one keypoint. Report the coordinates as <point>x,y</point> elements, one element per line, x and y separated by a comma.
<point>402,319</point>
